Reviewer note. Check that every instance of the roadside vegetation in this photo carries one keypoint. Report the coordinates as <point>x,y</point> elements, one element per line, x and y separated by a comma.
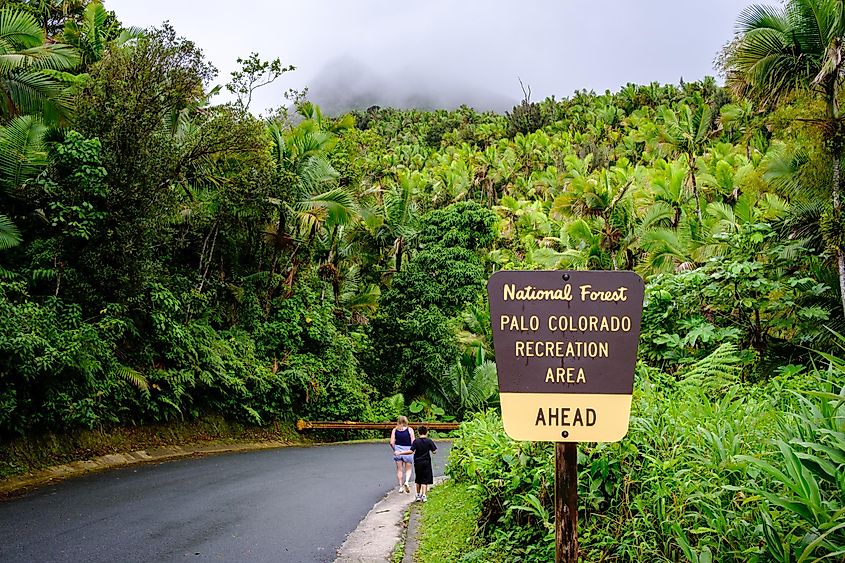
<point>165,258</point>
<point>448,522</point>
<point>712,469</point>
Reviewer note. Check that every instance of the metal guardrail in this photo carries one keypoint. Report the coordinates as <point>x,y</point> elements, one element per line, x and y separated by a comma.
<point>302,425</point>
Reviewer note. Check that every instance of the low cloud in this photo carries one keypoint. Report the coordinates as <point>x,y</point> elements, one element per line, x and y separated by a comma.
<point>345,84</point>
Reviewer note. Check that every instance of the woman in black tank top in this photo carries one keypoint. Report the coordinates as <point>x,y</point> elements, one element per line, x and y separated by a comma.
<point>401,438</point>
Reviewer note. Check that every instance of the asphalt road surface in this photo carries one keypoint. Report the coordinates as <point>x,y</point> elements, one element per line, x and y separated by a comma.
<point>284,505</point>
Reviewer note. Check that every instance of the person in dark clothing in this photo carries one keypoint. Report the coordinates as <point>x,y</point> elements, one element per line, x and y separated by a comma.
<point>422,449</point>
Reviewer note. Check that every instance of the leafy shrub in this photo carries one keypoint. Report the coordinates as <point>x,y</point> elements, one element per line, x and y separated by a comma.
<point>755,304</point>
<point>697,478</point>
<point>525,118</point>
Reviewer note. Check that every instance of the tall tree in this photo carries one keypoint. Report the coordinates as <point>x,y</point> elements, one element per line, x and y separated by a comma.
<point>143,154</point>
<point>687,131</point>
<point>307,199</point>
<point>797,48</point>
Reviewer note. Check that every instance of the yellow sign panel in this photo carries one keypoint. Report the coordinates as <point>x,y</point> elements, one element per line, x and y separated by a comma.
<point>566,345</point>
<point>553,417</point>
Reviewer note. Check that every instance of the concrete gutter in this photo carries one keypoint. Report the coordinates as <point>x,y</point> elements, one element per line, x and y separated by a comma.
<point>378,533</point>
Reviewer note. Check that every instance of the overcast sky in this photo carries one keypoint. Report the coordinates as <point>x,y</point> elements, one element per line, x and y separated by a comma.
<point>444,53</point>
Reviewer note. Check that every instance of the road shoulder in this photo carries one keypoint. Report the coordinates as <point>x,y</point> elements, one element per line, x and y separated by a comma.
<point>376,537</point>
<point>378,533</point>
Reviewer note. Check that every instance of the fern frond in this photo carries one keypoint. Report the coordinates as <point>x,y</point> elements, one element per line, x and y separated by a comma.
<point>720,369</point>
<point>134,377</point>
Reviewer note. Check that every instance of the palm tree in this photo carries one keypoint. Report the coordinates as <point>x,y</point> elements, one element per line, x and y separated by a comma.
<point>667,183</point>
<point>737,119</point>
<point>798,47</point>
<point>303,174</point>
<point>467,386</point>
<point>9,235</point>
<point>93,32</point>
<point>401,215</point>
<point>687,131</point>
<point>26,87</point>
<point>22,156</point>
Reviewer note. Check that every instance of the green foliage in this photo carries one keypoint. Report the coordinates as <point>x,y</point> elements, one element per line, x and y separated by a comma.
<point>697,476</point>
<point>26,84</point>
<point>167,258</point>
<point>752,298</point>
<point>56,366</point>
<point>466,225</point>
<point>388,409</point>
<point>75,191</point>
<point>418,353</point>
<point>525,118</point>
<point>414,324</point>
<point>91,33</point>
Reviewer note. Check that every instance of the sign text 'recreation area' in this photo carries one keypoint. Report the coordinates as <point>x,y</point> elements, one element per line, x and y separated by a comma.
<point>566,346</point>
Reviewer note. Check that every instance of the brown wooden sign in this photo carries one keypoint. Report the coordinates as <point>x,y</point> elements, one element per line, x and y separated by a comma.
<point>566,347</point>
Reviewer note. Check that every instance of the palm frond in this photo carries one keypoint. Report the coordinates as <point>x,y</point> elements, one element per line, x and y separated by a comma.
<point>22,151</point>
<point>339,205</point>
<point>762,17</point>
<point>35,92</point>
<point>19,29</point>
<point>656,215</point>
<point>9,234</point>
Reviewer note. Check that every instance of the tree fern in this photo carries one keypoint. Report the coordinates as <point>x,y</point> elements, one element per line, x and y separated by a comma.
<point>714,372</point>
<point>136,378</point>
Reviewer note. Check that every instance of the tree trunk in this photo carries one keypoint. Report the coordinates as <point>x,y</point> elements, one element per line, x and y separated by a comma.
<point>400,243</point>
<point>695,188</point>
<point>280,232</point>
<point>837,209</point>
<point>836,153</point>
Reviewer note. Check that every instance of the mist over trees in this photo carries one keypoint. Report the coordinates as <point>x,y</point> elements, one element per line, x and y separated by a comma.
<point>345,84</point>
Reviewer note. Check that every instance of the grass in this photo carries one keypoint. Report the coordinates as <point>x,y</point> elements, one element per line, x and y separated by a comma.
<point>448,523</point>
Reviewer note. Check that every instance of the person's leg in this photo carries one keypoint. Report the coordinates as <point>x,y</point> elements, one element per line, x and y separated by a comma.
<point>408,468</point>
<point>399,465</point>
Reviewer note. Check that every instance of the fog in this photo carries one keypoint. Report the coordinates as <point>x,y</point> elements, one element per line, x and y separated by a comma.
<point>344,83</point>
<point>444,53</point>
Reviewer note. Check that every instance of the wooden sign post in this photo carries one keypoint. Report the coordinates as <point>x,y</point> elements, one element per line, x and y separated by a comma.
<point>566,347</point>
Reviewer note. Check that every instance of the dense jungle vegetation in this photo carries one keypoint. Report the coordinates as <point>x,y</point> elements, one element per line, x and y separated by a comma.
<point>164,257</point>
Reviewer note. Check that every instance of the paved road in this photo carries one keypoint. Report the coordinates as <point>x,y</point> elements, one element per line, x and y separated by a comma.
<point>284,505</point>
